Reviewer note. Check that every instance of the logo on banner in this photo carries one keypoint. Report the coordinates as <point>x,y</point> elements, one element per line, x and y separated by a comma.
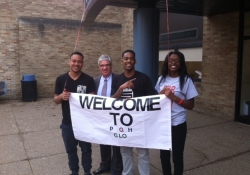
<point>124,119</point>
<point>142,122</point>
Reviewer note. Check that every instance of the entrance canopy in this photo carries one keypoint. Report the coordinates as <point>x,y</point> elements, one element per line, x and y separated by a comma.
<point>191,7</point>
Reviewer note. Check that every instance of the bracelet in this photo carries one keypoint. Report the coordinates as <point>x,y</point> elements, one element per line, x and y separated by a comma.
<point>180,102</point>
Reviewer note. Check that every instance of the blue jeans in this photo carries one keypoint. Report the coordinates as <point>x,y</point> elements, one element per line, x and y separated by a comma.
<point>70,144</point>
<point>178,143</point>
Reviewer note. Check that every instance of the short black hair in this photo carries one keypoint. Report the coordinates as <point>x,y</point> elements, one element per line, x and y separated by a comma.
<point>76,53</point>
<point>126,51</point>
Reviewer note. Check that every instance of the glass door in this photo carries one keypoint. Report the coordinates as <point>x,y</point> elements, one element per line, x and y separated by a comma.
<point>245,69</point>
<point>245,80</point>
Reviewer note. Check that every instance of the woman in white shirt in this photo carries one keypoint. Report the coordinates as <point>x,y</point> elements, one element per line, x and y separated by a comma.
<point>175,83</point>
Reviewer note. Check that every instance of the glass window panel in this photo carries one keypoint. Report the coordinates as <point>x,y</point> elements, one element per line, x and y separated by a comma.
<point>247,5</point>
<point>247,24</point>
<point>245,84</point>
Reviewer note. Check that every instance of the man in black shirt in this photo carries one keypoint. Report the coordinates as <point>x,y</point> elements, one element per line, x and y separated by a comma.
<point>129,84</point>
<point>77,82</point>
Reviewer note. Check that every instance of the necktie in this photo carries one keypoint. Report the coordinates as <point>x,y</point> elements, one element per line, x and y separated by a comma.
<point>104,88</point>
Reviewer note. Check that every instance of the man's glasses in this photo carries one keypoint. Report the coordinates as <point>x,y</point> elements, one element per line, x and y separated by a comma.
<point>104,65</point>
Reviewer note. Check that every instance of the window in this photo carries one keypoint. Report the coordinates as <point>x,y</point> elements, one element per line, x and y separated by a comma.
<point>179,35</point>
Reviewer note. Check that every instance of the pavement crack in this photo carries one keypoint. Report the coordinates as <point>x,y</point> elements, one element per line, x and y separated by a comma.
<point>206,126</point>
<point>219,160</point>
<point>20,135</point>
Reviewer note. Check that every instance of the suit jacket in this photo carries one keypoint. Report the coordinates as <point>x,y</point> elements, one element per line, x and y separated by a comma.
<point>97,81</point>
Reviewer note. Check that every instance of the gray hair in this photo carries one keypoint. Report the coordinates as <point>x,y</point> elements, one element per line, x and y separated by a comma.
<point>104,57</point>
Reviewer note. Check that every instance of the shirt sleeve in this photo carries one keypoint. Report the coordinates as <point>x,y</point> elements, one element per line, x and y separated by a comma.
<point>191,91</point>
<point>157,86</point>
<point>58,87</point>
<point>150,90</point>
<point>91,86</point>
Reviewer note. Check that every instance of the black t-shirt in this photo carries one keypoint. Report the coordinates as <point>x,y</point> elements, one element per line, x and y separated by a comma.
<point>84,84</point>
<point>142,85</point>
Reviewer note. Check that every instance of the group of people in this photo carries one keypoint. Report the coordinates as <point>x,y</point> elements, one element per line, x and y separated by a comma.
<point>174,82</point>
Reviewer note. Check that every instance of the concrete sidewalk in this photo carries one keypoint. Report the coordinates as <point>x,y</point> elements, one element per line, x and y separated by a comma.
<point>31,143</point>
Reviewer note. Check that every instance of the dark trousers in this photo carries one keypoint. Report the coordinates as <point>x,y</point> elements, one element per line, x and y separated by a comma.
<point>178,142</point>
<point>70,144</point>
<point>111,159</point>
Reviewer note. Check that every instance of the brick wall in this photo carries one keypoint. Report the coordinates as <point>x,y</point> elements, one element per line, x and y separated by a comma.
<point>9,64</point>
<point>36,37</point>
<point>127,29</point>
<point>219,65</point>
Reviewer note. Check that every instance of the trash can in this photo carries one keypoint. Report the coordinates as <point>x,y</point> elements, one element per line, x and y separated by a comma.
<point>247,108</point>
<point>29,88</point>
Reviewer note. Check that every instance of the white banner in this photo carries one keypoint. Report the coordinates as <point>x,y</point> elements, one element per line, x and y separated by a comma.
<point>143,122</point>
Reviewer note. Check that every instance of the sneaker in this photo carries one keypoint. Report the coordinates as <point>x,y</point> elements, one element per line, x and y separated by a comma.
<point>74,173</point>
<point>87,174</point>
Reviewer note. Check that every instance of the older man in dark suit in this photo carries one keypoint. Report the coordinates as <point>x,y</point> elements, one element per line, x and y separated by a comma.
<point>111,159</point>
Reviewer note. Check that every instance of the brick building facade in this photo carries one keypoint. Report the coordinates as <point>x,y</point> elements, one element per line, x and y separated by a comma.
<point>36,37</point>
<point>219,65</point>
